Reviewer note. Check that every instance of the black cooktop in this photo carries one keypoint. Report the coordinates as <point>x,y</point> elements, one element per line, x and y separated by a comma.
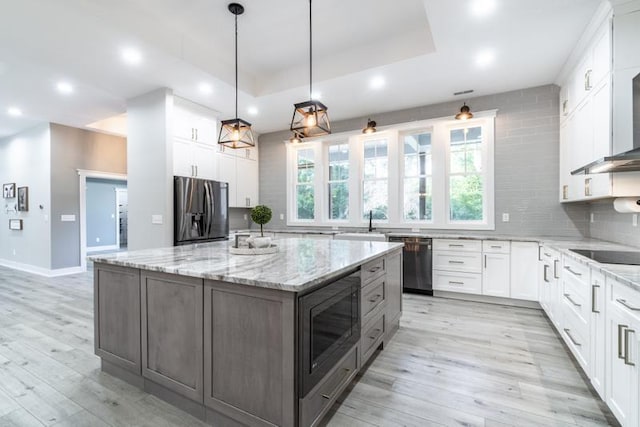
<point>611,257</point>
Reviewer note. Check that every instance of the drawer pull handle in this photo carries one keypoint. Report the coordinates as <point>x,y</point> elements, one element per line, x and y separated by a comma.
<point>555,269</point>
<point>544,276</point>
<point>568,332</point>
<point>376,298</point>
<point>626,347</point>
<point>451,282</point>
<point>547,254</point>
<point>329,397</point>
<point>455,262</point>
<point>594,297</point>
<point>374,269</point>
<point>568,296</point>
<point>621,328</point>
<point>575,273</point>
<point>496,246</point>
<point>454,245</point>
<point>626,304</point>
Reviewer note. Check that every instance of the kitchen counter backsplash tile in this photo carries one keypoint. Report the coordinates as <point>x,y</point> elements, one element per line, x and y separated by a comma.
<point>300,264</point>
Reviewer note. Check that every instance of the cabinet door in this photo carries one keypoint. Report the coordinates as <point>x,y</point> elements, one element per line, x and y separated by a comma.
<point>205,130</point>
<point>183,158</point>
<point>600,184</point>
<point>227,173</point>
<point>601,66</point>
<point>580,79</point>
<point>205,159</point>
<point>495,275</point>
<point>524,270</point>
<point>598,327</point>
<point>393,264</point>
<point>621,383</point>
<point>248,182</point>
<point>565,177</point>
<point>183,123</point>
<point>172,332</point>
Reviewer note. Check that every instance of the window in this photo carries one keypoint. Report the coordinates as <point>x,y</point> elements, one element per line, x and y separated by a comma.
<point>418,196</point>
<point>375,188</point>
<point>466,183</point>
<point>338,182</point>
<point>305,194</point>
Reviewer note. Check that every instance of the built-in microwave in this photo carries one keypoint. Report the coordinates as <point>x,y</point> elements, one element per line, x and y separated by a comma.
<point>329,326</point>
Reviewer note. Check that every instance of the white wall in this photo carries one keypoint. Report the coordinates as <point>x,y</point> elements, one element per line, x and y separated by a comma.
<point>25,159</point>
<point>150,169</point>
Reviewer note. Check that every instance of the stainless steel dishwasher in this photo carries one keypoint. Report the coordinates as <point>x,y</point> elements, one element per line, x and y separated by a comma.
<point>417,259</point>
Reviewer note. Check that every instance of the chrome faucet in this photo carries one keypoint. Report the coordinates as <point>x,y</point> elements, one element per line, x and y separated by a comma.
<point>370,221</point>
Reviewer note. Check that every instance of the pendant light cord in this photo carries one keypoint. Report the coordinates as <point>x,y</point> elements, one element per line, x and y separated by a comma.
<point>236,66</point>
<point>310,54</point>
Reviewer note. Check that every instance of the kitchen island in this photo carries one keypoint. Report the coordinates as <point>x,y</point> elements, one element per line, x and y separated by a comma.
<point>230,338</point>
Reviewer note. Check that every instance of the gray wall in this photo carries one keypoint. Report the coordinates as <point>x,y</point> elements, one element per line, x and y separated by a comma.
<point>102,211</point>
<point>236,218</point>
<point>73,149</point>
<point>150,177</point>
<point>25,161</point>
<point>526,161</point>
<point>613,226</point>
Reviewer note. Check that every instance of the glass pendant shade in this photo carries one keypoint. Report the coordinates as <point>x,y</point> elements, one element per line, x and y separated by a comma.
<point>465,113</point>
<point>236,133</point>
<point>310,118</point>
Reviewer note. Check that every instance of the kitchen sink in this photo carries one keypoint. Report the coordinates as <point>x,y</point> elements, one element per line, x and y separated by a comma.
<point>376,237</point>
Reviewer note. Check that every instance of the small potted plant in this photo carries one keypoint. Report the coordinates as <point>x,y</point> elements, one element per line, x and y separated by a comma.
<point>261,214</point>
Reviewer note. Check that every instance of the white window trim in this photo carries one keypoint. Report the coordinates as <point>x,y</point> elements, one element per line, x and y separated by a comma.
<point>439,128</point>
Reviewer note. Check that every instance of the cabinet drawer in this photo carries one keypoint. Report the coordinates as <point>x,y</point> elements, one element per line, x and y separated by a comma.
<point>457,245</point>
<point>318,401</point>
<point>373,296</point>
<point>575,269</point>
<point>625,298</point>
<point>470,262</point>
<point>371,338</point>
<point>372,270</point>
<point>577,296</point>
<point>470,283</point>
<point>496,246</point>
<point>577,338</point>
<point>576,309</point>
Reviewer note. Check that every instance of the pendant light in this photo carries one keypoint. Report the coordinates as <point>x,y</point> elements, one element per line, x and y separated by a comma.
<point>236,133</point>
<point>310,118</point>
<point>371,127</point>
<point>465,113</point>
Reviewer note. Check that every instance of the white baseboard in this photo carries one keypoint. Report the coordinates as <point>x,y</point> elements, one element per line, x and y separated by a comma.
<point>91,249</point>
<point>46,272</point>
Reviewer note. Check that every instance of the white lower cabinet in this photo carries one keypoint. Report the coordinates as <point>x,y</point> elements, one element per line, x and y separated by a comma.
<point>597,332</point>
<point>495,275</point>
<point>456,281</point>
<point>622,351</point>
<point>524,271</point>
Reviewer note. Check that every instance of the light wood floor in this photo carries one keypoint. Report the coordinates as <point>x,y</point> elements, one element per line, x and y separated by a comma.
<point>451,363</point>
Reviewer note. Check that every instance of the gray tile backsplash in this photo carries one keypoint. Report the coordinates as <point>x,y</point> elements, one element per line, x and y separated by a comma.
<point>526,161</point>
<point>613,226</point>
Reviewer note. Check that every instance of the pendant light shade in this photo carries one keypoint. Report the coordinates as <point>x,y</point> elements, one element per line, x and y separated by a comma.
<point>236,133</point>
<point>371,127</point>
<point>310,118</point>
<point>465,113</point>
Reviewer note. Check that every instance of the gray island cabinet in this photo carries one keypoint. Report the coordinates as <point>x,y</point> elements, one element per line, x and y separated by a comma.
<point>218,335</point>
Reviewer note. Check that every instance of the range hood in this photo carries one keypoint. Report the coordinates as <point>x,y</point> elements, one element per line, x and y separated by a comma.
<point>629,161</point>
<point>626,98</point>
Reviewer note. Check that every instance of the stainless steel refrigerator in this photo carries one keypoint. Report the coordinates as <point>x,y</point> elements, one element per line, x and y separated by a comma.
<point>201,210</point>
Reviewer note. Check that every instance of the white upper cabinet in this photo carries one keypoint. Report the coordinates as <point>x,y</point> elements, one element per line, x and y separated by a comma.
<point>194,123</point>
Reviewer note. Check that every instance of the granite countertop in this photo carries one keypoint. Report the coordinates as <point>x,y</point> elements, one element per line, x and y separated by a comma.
<point>288,231</point>
<point>299,265</point>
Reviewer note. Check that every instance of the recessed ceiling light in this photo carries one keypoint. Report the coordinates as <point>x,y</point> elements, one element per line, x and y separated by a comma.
<point>378,82</point>
<point>64,88</point>
<point>485,58</point>
<point>482,8</point>
<point>14,111</point>
<point>205,88</point>
<point>131,56</point>
<point>316,95</point>
<point>252,110</point>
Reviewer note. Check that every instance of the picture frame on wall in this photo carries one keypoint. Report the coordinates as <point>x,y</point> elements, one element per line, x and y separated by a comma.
<point>23,199</point>
<point>9,190</point>
<point>15,224</point>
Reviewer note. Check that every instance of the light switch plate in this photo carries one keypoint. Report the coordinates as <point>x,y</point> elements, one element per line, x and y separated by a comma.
<point>156,219</point>
<point>505,217</point>
<point>67,218</point>
<point>592,217</point>
<point>281,217</point>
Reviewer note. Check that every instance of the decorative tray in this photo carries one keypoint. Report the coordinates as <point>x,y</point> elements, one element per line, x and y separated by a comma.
<point>253,251</point>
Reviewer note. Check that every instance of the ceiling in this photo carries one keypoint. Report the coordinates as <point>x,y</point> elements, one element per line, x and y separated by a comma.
<point>420,52</point>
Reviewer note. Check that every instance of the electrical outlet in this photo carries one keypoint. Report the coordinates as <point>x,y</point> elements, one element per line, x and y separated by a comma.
<point>113,216</point>
<point>415,230</point>
<point>97,240</point>
<point>592,217</point>
<point>333,227</point>
<point>281,217</point>
<point>505,217</point>
<point>634,220</point>
<point>245,216</point>
<point>156,219</point>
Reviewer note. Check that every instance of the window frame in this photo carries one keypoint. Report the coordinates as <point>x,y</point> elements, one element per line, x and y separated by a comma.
<point>440,146</point>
